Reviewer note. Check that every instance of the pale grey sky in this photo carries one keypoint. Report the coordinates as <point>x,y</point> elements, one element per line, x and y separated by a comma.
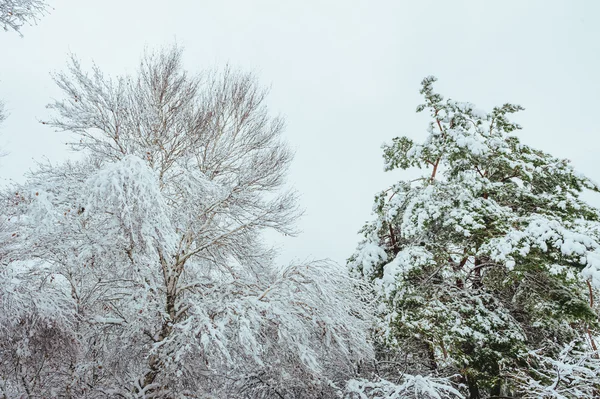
<point>345,74</point>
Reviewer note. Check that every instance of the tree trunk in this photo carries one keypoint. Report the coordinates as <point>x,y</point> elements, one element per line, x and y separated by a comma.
<point>473,388</point>
<point>497,389</point>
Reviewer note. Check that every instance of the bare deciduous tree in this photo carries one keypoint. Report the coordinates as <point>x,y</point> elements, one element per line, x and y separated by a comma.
<point>156,242</point>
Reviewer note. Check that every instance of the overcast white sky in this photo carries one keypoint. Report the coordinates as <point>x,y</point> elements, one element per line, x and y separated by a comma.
<point>345,74</point>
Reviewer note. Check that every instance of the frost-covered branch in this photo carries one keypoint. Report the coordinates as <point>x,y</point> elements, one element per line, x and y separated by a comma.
<point>410,386</point>
<point>16,13</point>
<point>573,373</point>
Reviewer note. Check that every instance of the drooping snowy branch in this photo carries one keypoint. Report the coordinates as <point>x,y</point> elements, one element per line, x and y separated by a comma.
<point>573,373</point>
<point>411,386</point>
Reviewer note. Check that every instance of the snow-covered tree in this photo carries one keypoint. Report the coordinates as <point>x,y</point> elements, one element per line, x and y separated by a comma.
<point>16,13</point>
<point>488,257</point>
<point>36,334</point>
<point>154,240</point>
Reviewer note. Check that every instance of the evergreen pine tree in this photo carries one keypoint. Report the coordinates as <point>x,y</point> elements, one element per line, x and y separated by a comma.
<point>487,265</point>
